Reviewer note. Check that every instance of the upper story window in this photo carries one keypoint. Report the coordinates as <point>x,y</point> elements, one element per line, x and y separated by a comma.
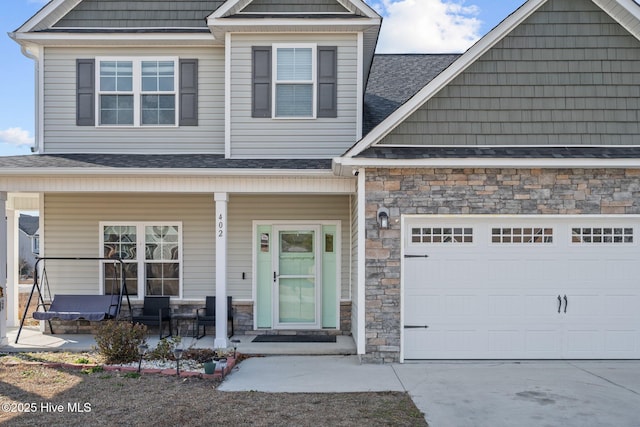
<point>294,83</point>
<point>137,92</point>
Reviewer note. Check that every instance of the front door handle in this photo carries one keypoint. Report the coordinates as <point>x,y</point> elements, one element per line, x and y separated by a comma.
<point>565,303</point>
<point>275,277</point>
<point>559,303</point>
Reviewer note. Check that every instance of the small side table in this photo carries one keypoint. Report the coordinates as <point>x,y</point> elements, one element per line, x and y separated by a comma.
<point>185,317</point>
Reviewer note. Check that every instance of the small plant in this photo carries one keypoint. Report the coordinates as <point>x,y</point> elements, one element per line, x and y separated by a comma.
<point>92,370</point>
<point>164,349</point>
<point>118,341</point>
<point>82,361</point>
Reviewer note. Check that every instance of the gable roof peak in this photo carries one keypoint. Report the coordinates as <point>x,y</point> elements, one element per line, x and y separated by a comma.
<point>625,12</point>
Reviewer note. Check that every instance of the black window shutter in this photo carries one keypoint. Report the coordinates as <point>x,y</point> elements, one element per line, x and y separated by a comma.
<point>188,92</point>
<point>85,92</point>
<point>327,81</point>
<point>261,81</point>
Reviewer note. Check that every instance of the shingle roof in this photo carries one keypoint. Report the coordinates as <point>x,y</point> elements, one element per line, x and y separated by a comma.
<point>156,161</point>
<point>29,224</point>
<point>394,79</point>
<point>419,152</point>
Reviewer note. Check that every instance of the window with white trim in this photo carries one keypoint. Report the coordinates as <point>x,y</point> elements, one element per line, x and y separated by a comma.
<point>35,244</point>
<point>294,70</point>
<point>137,92</point>
<point>522,235</point>
<point>602,235</point>
<point>152,257</point>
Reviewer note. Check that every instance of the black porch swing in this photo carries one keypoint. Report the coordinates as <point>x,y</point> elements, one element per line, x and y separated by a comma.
<point>76,307</point>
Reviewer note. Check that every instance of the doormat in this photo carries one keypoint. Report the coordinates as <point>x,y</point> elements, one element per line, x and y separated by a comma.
<point>295,338</point>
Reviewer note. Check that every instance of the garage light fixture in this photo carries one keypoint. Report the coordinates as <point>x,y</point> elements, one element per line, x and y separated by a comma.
<point>383,218</point>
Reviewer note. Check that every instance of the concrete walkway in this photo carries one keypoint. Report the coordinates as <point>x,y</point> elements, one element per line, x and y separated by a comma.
<point>492,394</point>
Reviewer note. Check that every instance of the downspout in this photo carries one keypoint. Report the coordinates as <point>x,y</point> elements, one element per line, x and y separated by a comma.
<point>36,61</point>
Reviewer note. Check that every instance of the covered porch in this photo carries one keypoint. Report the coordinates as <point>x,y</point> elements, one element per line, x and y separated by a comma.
<point>222,217</point>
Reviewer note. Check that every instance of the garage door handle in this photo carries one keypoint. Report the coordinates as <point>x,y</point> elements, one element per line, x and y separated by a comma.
<point>416,256</point>
<point>559,303</point>
<point>415,326</point>
<point>566,302</point>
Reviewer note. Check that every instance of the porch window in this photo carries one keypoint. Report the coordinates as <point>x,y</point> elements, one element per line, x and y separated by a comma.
<point>152,256</point>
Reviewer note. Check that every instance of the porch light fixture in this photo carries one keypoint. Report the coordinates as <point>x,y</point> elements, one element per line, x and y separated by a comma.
<point>383,218</point>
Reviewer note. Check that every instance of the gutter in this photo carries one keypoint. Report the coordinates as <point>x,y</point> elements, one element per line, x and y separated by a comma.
<point>346,166</point>
<point>17,171</point>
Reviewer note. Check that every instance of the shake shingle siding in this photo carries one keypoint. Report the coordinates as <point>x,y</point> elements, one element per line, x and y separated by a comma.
<point>567,76</point>
<point>297,6</point>
<point>139,14</point>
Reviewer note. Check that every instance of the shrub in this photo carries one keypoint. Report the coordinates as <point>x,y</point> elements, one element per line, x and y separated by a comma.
<point>118,341</point>
<point>164,349</point>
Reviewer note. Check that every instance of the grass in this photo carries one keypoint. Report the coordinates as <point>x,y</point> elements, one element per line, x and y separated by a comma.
<point>93,397</point>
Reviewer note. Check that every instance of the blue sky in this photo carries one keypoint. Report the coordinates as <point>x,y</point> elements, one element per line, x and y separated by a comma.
<point>409,26</point>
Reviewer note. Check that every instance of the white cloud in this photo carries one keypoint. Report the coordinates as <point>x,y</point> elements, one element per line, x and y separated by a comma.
<point>15,136</point>
<point>426,26</point>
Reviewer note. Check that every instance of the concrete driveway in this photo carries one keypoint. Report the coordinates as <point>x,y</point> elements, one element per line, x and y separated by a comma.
<point>467,394</point>
<point>524,394</point>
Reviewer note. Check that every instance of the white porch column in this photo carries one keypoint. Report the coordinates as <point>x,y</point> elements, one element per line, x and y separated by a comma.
<point>3,267</point>
<point>221,200</point>
<point>13,269</point>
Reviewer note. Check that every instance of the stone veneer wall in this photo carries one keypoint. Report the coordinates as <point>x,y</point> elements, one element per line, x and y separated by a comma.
<point>469,192</point>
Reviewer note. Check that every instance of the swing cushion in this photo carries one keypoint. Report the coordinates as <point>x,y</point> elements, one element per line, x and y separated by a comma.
<point>74,307</point>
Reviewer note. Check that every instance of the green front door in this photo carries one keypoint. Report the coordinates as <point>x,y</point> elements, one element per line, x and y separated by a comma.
<point>296,282</point>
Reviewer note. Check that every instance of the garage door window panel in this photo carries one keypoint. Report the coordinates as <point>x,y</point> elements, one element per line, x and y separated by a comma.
<point>605,235</point>
<point>521,235</point>
<point>442,235</point>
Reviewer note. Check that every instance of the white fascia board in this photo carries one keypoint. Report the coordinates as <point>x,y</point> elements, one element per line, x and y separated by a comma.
<point>47,10</point>
<point>455,69</point>
<point>165,172</point>
<point>226,7</point>
<point>629,6</point>
<point>358,24</point>
<point>362,7</point>
<point>345,166</point>
<point>122,39</point>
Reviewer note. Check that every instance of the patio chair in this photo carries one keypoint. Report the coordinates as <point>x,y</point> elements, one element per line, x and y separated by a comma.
<point>155,311</point>
<point>206,316</point>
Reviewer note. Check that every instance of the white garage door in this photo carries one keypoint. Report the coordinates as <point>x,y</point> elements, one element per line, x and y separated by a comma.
<point>521,288</point>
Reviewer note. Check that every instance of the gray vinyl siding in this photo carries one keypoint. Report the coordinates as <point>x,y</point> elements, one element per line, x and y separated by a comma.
<point>304,138</point>
<point>139,14</point>
<point>72,229</point>
<point>567,76</point>
<point>243,210</point>
<point>297,6</point>
<point>61,135</point>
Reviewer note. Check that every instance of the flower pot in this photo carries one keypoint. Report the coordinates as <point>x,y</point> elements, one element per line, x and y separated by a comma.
<point>209,367</point>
